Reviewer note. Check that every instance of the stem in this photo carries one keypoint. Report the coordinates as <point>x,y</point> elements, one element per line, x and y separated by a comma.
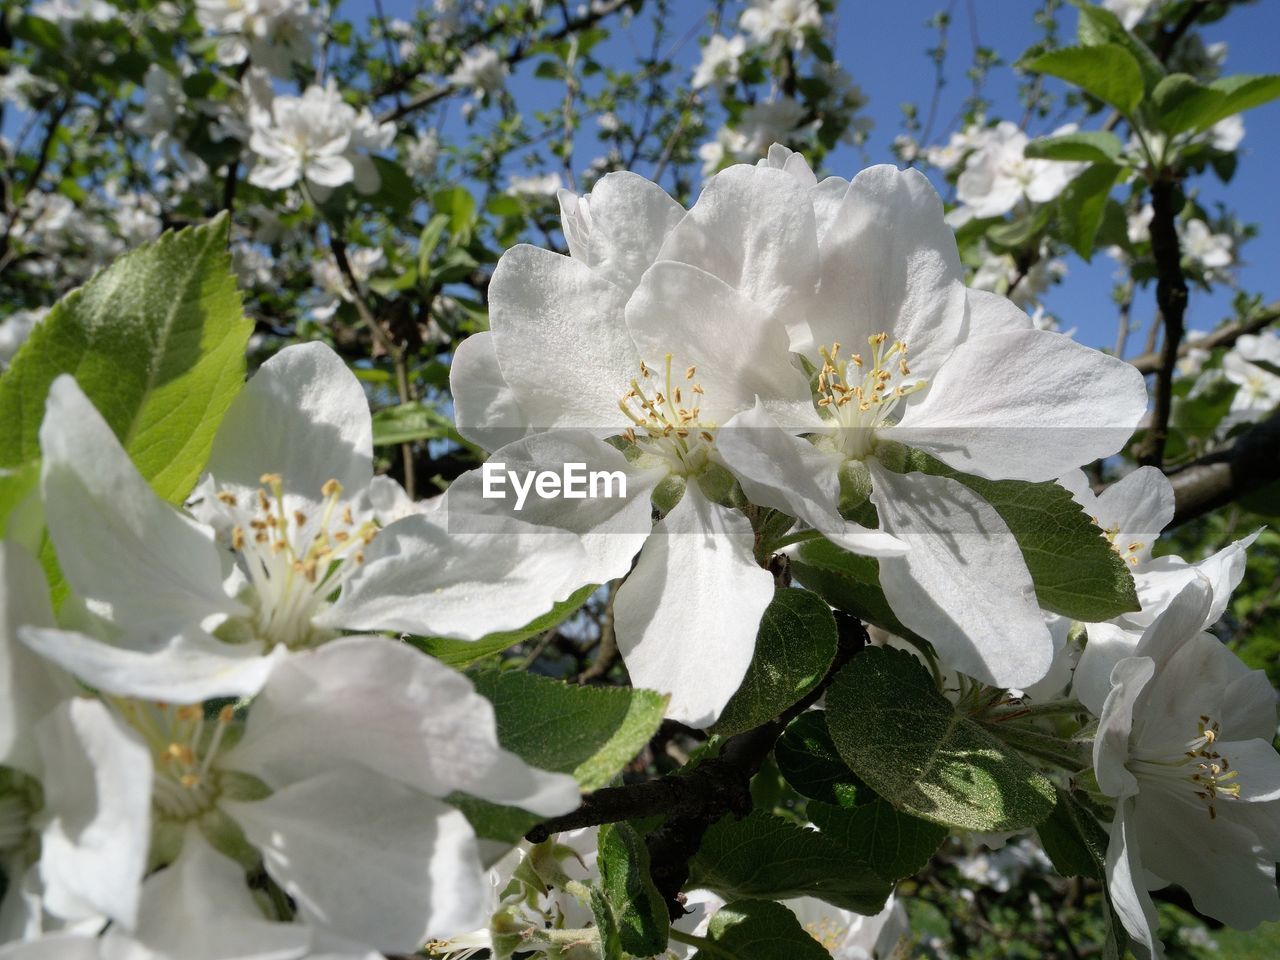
<point>1171,297</point>
<point>702,943</point>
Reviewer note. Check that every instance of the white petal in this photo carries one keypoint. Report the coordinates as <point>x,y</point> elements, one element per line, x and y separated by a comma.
<point>380,704</point>
<point>1025,405</point>
<point>329,171</point>
<point>28,687</point>
<point>991,313</point>
<point>486,411</point>
<point>790,474</point>
<point>304,416</point>
<point>753,228</point>
<point>1125,884</point>
<point>97,797</point>
<point>630,218</point>
<point>118,543</point>
<point>200,908</point>
<point>687,616</point>
<point>188,668</point>
<point>739,351</point>
<point>369,858</point>
<point>1140,504</point>
<point>56,946</point>
<point>1111,749</point>
<point>963,584</point>
<point>422,577</point>
<point>1181,620</point>
<point>889,264</point>
<point>1109,643</point>
<point>560,338</point>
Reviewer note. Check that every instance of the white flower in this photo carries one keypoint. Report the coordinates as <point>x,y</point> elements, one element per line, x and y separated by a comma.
<point>1129,11</point>
<point>1259,387</point>
<point>66,12</point>
<point>328,276</point>
<point>304,137</point>
<point>997,176</point>
<point>534,185</point>
<point>1131,513</point>
<point>785,20</point>
<point>271,33</point>
<point>1003,868</point>
<point>1139,224</point>
<point>423,155</point>
<point>959,145</point>
<point>763,124</point>
<point>286,516</point>
<point>713,154</point>
<point>1203,247</point>
<point>1227,133</point>
<point>873,269</point>
<point>719,62</point>
<point>253,265</point>
<point>482,69</point>
<point>999,273</point>
<point>162,103</point>
<point>14,330</point>
<point>850,936</point>
<point>1184,745</point>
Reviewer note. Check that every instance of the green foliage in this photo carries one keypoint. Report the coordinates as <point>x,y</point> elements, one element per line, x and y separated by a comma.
<point>893,843</point>
<point>795,646</point>
<point>847,581</point>
<point>808,761</point>
<point>156,341</point>
<point>606,925</point>
<point>1088,145</point>
<point>910,744</point>
<point>1182,104</point>
<point>767,856</point>
<point>1107,71</point>
<point>1083,203</point>
<point>758,930</point>
<point>1099,25</point>
<point>638,908</point>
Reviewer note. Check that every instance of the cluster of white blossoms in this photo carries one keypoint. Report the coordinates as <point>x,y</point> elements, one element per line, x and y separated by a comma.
<point>275,34</point>
<point>997,177</point>
<point>218,715</point>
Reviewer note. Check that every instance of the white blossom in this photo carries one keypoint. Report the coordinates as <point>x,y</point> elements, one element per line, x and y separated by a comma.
<point>1130,12</point>
<point>1203,247</point>
<point>423,155</point>
<point>997,176</point>
<point>274,34</point>
<point>784,20</point>
<point>481,69</point>
<point>534,185</point>
<point>719,62</point>
<point>1228,133</point>
<point>850,936</point>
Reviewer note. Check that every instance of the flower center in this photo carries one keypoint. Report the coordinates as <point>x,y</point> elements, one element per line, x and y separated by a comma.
<point>294,562</point>
<point>827,932</point>
<point>668,420</point>
<point>1129,552</point>
<point>184,747</point>
<point>1199,764</point>
<point>860,396</point>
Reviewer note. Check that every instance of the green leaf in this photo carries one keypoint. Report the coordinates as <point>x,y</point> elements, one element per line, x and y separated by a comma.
<point>847,581</point>
<point>1246,91</point>
<point>156,341</point>
<point>1183,104</point>
<point>1107,71</point>
<point>772,858</point>
<point>428,240</point>
<point>808,760</point>
<point>639,909</point>
<point>893,843</point>
<point>1099,25</point>
<point>590,732</point>
<point>463,653</point>
<point>794,648</point>
<point>910,745</point>
<point>1020,232</point>
<point>1088,145</point>
<point>21,513</point>
<point>1083,203</point>
<point>460,206</point>
<point>409,422</point>
<point>1073,568</point>
<point>607,924</point>
<point>758,930</point>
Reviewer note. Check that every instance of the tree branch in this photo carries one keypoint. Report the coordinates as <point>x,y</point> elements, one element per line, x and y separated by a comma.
<point>1171,297</point>
<point>1224,336</point>
<point>1248,463</point>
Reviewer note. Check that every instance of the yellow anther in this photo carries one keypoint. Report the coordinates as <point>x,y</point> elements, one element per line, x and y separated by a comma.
<point>688,374</point>
<point>226,714</point>
<point>331,488</point>
<point>299,518</point>
<point>190,780</point>
<point>271,480</point>
<point>237,538</point>
<point>227,497</point>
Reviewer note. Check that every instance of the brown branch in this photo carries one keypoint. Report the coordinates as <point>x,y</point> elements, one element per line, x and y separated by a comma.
<point>1171,298</point>
<point>1224,336</point>
<point>1248,463</point>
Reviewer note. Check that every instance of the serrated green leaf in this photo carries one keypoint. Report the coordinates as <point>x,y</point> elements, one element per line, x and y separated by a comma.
<point>769,857</point>
<point>463,653</point>
<point>1073,839</point>
<point>1083,203</point>
<point>156,341</point>
<point>893,843</point>
<point>1107,71</point>
<point>1183,104</point>
<point>638,908</point>
<point>847,581</point>
<point>794,648</point>
<point>910,745</point>
<point>1087,145</point>
<point>1073,568</point>
<point>409,422</point>
<point>808,760</point>
<point>1099,25</point>
<point>758,930</point>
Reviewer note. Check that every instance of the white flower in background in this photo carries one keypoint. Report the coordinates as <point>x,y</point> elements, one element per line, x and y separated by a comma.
<point>959,145</point>
<point>1206,249</point>
<point>66,12</point>
<point>287,517</point>
<point>328,276</point>
<point>713,154</point>
<point>304,137</point>
<point>999,273</point>
<point>1131,513</point>
<point>137,215</point>
<point>481,69</point>
<point>1228,133</point>
<point>1191,363</point>
<point>19,86</point>
<point>254,266</point>
<point>161,105</point>
<point>14,330</point>
<point>719,62</point>
<point>534,185</point>
<point>368,136</point>
<point>423,155</point>
<point>1139,224</point>
<point>763,124</point>
<point>275,34</point>
<point>785,20</point>
<point>1259,387</point>
<point>872,268</point>
<point>1003,869</point>
<point>1184,746</point>
<point>850,936</point>
<point>1130,12</point>
<point>997,177</point>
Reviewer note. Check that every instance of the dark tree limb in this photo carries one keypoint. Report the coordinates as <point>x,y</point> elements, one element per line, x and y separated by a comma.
<point>1250,462</point>
<point>1224,336</point>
